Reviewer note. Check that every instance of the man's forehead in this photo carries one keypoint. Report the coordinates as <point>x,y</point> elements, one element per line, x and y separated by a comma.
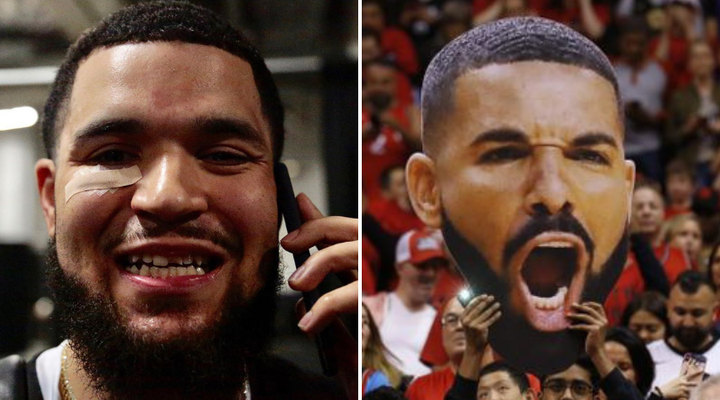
<point>701,299</point>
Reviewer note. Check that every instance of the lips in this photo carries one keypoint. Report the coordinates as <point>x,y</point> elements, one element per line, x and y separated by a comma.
<point>550,272</point>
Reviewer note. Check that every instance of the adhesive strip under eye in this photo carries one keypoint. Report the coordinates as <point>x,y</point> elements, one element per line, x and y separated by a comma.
<point>101,180</point>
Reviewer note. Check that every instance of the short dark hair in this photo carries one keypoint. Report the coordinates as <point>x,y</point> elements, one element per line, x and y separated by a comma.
<point>679,167</point>
<point>690,282</point>
<point>634,25</point>
<point>504,41</point>
<point>385,175</point>
<point>520,379</point>
<point>639,355</point>
<point>650,301</point>
<point>162,22</point>
<point>713,253</point>
<point>586,364</point>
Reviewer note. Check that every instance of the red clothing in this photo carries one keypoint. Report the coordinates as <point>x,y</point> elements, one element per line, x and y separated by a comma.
<point>370,261</point>
<point>398,45</point>
<point>533,5</point>
<point>674,260</point>
<point>571,16</point>
<point>448,285</point>
<point>675,66</point>
<point>386,150</point>
<point>433,353</point>
<point>671,211</point>
<point>394,219</point>
<point>432,386</point>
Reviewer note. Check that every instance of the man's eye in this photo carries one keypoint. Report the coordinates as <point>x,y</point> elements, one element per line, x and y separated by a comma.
<point>113,156</point>
<point>504,154</point>
<point>587,155</point>
<point>225,158</point>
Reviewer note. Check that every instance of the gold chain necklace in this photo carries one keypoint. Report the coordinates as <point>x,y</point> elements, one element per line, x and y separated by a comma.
<point>66,392</point>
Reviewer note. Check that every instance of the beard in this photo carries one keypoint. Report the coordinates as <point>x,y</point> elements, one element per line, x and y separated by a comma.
<point>512,336</point>
<point>122,364</point>
<point>691,338</point>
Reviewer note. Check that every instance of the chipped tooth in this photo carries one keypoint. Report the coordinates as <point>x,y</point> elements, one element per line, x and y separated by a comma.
<point>187,260</point>
<point>200,271</point>
<point>175,260</point>
<point>191,270</point>
<point>198,261</point>
<point>134,259</point>
<point>145,271</point>
<point>134,270</point>
<point>172,271</point>
<point>181,271</point>
<point>160,261</point>
<point>154,272</point>
<point>164,272</point>
<point>147,258</point>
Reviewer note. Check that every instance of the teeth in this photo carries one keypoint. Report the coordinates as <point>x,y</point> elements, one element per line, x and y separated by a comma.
<point>154,272</point>
<point>200,271</point>
<point>187,260</point>
<point>147,259</point>
<point>164,272</point>
<point>134,270</point>
<point>198,261</point>
<point>175,260</point>
<point>160,261</point>
<point>191,270</point>
<point>181,271</point>
<point>134,259</point>
<point>172,271</point>
<point>145,271</point>
<point>556,244</point>
<point>550,303</point>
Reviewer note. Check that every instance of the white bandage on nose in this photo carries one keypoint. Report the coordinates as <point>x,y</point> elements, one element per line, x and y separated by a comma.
<point>101,180</point>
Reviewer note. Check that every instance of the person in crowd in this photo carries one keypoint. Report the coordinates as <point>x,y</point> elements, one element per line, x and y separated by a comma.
<point>691,306</point>
<point>642,84</point>
<point>708,390</point>
<point>671,47</point>
<point>393,211</point>
<point>694,114</point>
<point>684,232</point>
<point>377,370</point>
<point>396,44</point>
<point>573,383</point>
<point>419,257</point>
<point>500,380</point>
<point>436,384</point>
<point>384,393</point>
<point>626,350</point>
<point>503,9</point>
<point>646,315</point>
<point>713,274</point>
<point>680,188</point>
<point>390,130</point>
<point>588,17</point>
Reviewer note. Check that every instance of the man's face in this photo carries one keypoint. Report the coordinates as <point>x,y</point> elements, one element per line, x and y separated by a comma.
<point>511,160</point>
<point>688,237</point>
<point>373,17</point>
<point>421,278</point>
<point>691,316</point>
<point>189,117</point>
<point>633,46</point>
<point>571,384</point>
<point>647,211</point>
<point>679,188</point>
<point>380,80</point>
<point>701,61</point>
<point>370,49</point>
<point>396,189</point>
<point>453,334</point>
<point>498,386</point>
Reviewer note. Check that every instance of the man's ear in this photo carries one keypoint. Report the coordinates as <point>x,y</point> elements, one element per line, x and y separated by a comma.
<point>423,189</point>
<point>629,185</point>
<point>45,174</point>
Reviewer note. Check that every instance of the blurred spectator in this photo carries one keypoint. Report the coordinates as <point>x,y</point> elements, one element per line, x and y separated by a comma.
<point>390,130</point>
<point>693,115</point>
<point>384,393</point>
<point>395,43</point>
<point>626,350</point>
<point>372,52</point>
<point>708,390</point>
<point>683,232</point>
<point>393,210</point>
<point>436,384</point>
<point>500,380</point>
<point>646,315</point>
<point>576,382</point>
<point>377,370</point>
<point>691,306</point>
<point>585,16</point>
<point>503,9</point>
<point>677,32</point>
<point>713,275</point>
<point>648,9</point>
<point>455,19</point>
<point>419,256</point>
<point>642,86</point>
<point>680,187</point>
<point>371,49</point>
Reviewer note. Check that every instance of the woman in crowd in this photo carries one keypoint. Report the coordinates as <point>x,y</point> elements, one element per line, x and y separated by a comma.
<point>683,231</point>
<point>628,352</point>
<point>377,370</point>
<point>646,315</point>
<point>713,271</point>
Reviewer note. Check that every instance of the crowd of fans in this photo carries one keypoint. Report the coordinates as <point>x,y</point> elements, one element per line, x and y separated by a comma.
<point>665,303</point>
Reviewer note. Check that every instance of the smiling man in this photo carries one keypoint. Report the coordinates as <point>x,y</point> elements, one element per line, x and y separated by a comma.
<point>162,130</point>
<point>524,171</point>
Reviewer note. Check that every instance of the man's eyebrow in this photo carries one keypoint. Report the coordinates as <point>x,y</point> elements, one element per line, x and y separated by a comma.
<point>232,126</point>
<point>107,127</point>
<point>593,139</point>
<point>500,135</point>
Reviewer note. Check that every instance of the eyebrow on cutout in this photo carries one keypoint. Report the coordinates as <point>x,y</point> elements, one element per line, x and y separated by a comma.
<point>501,135</point>
<point>594,139</point>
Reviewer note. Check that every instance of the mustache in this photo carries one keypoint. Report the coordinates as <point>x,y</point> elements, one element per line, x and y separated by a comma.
<point>562,222</point>
<point>137,231</point>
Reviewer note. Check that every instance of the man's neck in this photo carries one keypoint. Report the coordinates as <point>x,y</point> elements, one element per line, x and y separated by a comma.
<point>403,292</point>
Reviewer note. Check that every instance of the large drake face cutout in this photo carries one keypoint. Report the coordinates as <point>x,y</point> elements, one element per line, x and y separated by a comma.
<point>531,189</point>
<point>189,117</point>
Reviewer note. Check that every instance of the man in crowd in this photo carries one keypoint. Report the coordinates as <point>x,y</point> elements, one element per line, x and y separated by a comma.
<point>419,256</point>
<point>533,200</point>
<point>691,306</point>
<point>162,130</point>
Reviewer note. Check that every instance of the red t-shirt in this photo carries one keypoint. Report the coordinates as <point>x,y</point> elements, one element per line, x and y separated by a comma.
<point>392,218</point>
<point>432,386</point>
<point>397,44</point>
<point>370,260</point>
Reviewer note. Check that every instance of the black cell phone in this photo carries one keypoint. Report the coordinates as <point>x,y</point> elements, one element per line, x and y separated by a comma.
<point>288,207</point>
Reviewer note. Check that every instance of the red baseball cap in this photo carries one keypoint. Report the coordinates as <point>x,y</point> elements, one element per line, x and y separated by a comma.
<point>418,246</point>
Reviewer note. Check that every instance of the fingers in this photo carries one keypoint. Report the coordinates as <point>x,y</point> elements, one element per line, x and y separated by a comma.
<point>336,258</point>
<point>481,312</point>
<point>331,305</point>
<point>589,313</point>
<point>320,232</point>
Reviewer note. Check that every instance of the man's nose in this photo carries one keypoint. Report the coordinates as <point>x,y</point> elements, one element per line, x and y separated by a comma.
<point>169,192</point>
<point>547,189</point>
<point>567,394</point>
